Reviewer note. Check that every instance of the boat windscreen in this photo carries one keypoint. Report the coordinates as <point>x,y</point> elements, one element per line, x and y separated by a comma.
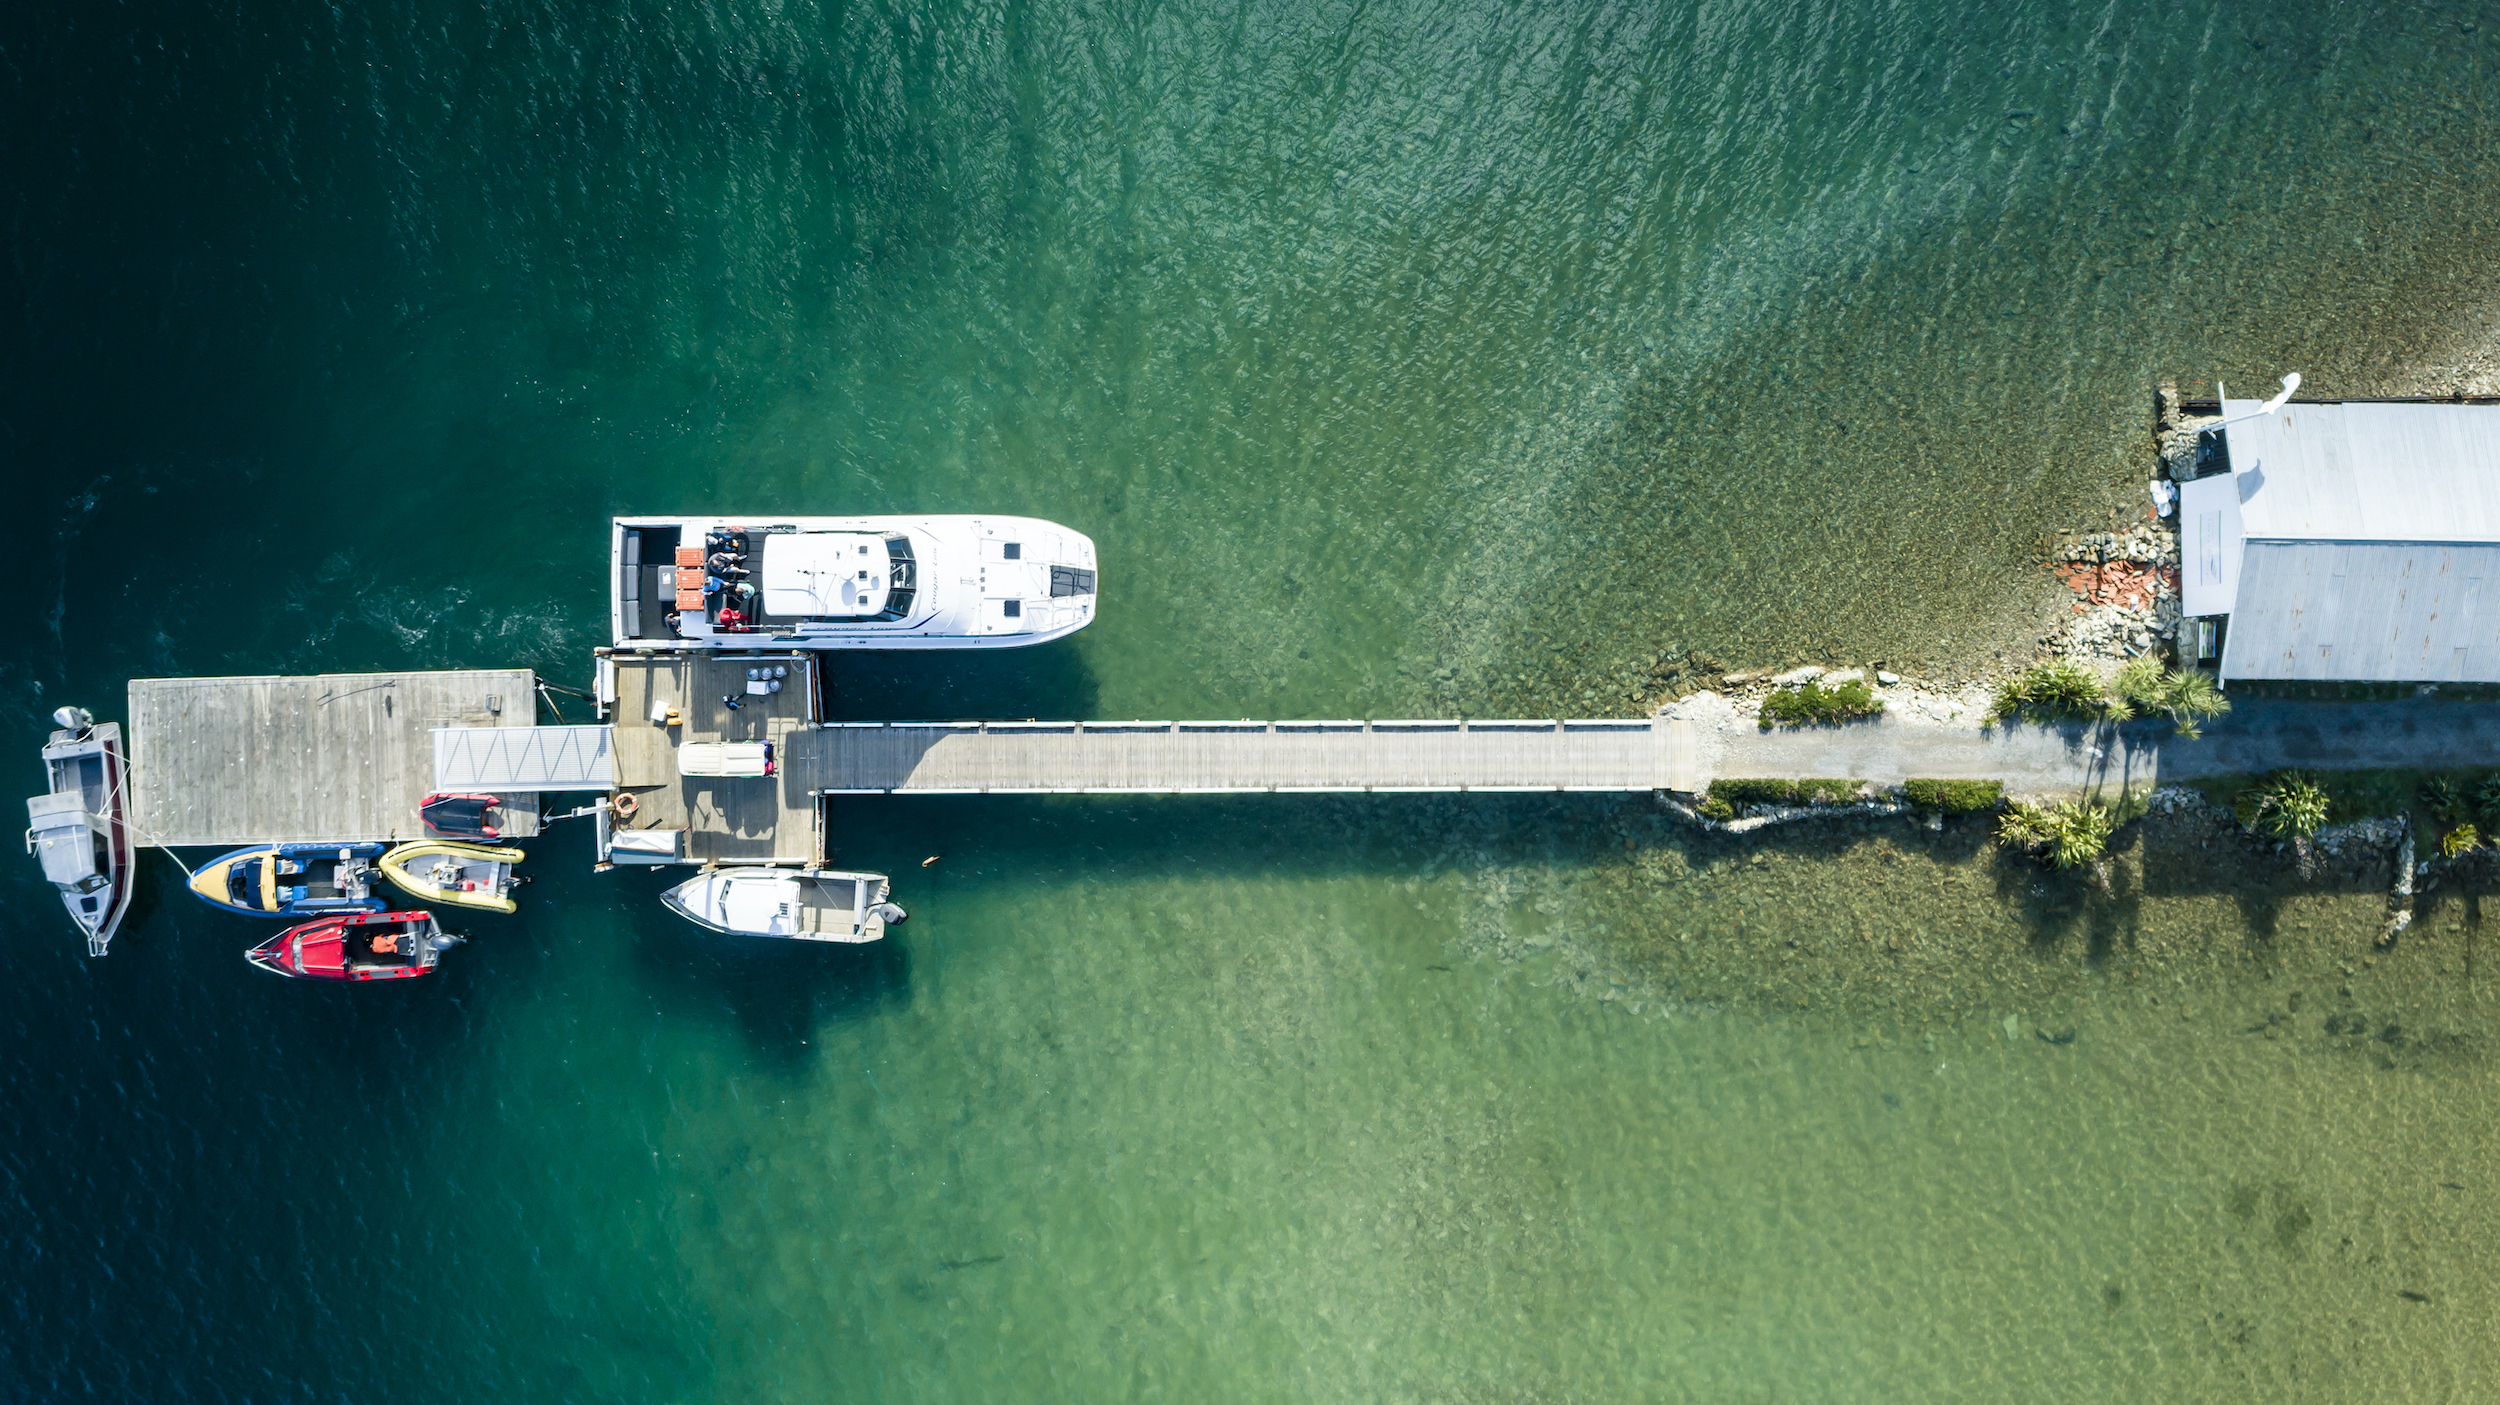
<point>902,579</point>
<point>243,884</point>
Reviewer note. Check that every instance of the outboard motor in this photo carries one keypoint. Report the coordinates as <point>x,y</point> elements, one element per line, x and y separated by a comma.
<point>75,719</point>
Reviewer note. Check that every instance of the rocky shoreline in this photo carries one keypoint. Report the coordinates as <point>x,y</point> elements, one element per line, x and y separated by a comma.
<point>2124,584</point>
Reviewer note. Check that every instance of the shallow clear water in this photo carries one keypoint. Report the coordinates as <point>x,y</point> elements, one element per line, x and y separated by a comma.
<point>1399,361</point>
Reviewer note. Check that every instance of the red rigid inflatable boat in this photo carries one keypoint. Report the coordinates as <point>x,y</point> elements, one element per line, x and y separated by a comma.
<point>357,946</point>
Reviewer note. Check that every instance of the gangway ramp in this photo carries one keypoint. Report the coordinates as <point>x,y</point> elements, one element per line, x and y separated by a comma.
<point>1163,758</point>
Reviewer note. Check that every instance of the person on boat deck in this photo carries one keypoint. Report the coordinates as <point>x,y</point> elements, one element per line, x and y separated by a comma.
<point>730,619</point>
<point>723,566</point>
<point>385,945</point>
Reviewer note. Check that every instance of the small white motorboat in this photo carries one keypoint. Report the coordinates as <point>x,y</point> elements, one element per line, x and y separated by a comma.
<point>82,828</point>
<point>806,904</point>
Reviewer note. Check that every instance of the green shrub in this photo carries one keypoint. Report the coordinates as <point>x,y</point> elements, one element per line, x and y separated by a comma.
<point>1953,797</point>
<point>2139,683</point>
<point>2440,797</point>
<point>2487,802</point>
<point>2064,691</point>
<point>1713,808</point>
<point>2188,696</point>
<point>1814,790</point>
<point>1730,794</point>
<point>2057,691</point>
<point>1810,703</point>
<point>1770,791</point>
<point>2459,840</point>
<point>2070,834</point>
<point>2287,805</point>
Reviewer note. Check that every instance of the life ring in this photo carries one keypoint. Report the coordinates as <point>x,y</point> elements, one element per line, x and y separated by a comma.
<point>624,804</point>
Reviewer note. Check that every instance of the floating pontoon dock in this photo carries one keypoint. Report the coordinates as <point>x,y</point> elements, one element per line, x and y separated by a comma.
<point>725,819</point>
<point>335,756</point>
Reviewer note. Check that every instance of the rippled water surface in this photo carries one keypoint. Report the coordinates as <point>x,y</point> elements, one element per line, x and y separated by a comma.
<point>1400,360</point>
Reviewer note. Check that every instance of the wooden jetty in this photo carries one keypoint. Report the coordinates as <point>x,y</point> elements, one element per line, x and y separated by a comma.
<point>1175,758</point>
<point>661,703</point>
<point>232,761</point>
<point>334,756</point>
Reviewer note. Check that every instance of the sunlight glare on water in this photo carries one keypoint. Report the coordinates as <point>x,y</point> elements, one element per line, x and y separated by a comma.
<point>1401,361</point>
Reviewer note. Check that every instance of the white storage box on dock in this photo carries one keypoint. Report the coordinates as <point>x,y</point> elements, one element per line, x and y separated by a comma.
<point>725,759</point>
<point>647,846</point>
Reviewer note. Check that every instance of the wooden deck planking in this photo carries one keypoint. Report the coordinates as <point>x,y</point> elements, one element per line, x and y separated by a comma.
<point>1238,757</point>
<point>270,759</point>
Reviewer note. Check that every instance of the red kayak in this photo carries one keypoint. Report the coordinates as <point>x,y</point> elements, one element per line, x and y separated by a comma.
<point>357,946</point>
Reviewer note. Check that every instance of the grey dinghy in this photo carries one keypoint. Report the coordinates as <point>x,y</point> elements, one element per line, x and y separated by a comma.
<point>806,904</point>
<point>82,828</point>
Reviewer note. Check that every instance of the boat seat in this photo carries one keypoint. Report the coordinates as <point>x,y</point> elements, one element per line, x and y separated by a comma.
<point>295,894</point>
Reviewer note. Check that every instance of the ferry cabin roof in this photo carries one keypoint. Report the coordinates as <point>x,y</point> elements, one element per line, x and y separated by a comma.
<point>2350,541</point>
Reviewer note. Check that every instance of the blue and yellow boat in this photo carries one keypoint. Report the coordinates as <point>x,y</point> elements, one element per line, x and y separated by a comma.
<point>291,880</point>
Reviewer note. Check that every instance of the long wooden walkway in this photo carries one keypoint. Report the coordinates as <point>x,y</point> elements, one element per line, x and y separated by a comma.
<point>1134,758</point>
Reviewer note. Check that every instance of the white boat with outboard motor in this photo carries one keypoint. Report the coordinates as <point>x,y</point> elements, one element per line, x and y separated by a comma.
<point>944,582</point>
<point>81,828</point>
<point>805,904</point>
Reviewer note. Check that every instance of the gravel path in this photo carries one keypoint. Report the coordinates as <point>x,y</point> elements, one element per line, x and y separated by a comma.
<point>2064,759</point>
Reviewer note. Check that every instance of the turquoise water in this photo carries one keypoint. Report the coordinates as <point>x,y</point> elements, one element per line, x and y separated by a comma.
<point>1399,360</point>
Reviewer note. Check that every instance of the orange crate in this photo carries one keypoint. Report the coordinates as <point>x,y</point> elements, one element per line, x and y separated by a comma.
<point>690,556</point>
<point>690,600</point>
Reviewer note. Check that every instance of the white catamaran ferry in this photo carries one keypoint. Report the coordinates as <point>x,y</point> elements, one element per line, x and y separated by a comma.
<point>846,582</point>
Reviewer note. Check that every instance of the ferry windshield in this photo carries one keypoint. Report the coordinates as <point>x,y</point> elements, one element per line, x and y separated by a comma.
<point>901,575</point>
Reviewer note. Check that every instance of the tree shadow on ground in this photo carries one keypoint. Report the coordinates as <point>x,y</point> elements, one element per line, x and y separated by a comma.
<point>2199,853</point>
<point>2457,890</point>
<point>2096,905</point>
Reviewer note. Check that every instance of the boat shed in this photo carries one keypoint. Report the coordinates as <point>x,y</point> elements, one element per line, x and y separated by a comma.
<point>2350,541</point>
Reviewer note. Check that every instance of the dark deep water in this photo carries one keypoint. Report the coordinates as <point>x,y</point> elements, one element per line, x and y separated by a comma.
<point>1399,360</point>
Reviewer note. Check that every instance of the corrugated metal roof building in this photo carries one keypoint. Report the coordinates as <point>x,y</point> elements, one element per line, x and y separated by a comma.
<point>2351,541</point>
